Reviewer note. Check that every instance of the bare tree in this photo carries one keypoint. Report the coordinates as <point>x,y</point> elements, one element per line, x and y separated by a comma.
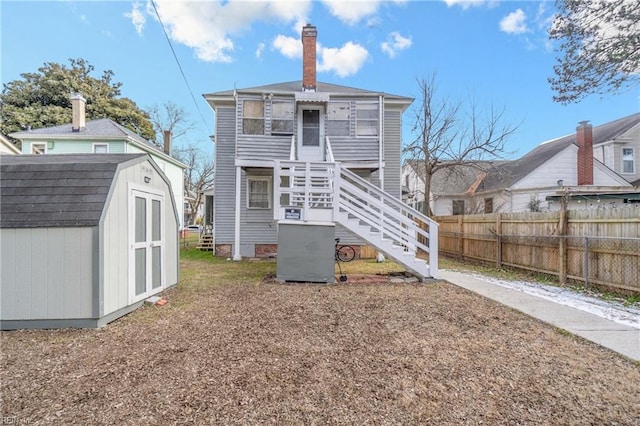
<point>599,49</point>
<point>198,176</point>
<point>169,117</point>
<point>450,134</point>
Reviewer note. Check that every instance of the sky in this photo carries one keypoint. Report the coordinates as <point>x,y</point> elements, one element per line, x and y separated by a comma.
<point>495,53</point>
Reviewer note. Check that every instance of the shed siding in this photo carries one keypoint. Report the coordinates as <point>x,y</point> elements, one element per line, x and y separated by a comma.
<point>224,188</point>
<point>47,273</point>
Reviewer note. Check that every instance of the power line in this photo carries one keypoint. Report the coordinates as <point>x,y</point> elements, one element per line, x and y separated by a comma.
<point>184,77</point>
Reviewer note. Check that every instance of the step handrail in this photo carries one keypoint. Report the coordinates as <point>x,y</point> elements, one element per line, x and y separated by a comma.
<point>395,215</point>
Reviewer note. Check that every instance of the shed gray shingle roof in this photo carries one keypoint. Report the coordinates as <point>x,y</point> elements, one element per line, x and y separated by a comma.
<point>56,190</point>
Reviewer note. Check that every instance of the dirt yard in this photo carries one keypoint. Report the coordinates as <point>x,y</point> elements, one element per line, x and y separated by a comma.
<point>231,348</point>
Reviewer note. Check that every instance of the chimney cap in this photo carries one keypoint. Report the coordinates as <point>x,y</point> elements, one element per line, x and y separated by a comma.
<point>583,123</point>
<point>77,96</point>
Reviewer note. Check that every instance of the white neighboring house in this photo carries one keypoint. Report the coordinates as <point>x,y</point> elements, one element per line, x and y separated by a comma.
<point>7,147</point>
<point>102,136</point>
<point>565,167</point>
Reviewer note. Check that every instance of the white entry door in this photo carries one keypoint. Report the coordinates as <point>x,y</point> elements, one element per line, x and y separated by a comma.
<point>147,245</point>
<point>310,133</point>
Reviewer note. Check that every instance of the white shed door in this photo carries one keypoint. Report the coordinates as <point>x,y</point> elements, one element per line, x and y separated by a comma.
<point>147,245</point>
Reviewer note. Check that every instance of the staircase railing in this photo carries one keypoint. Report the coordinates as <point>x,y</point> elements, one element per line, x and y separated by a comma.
<point>386,215</point>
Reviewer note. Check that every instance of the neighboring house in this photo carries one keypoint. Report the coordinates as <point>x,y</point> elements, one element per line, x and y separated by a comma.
<point>277,149</point>
<point>7,147</point>
<point>85,238</point>
<point>102,136</point>
<point>564,167</point>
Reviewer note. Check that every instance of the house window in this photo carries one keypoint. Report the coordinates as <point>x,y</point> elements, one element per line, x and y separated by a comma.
<point>38,148</point>
<point>100,148</point>
<point>253,117</point>
<point>628,163</point>
<point>458,207</point>
<point>282,118</point>
<point>259,192</point>
<point>366,119</point>
<point>338,118</point>
<point>488,205</point>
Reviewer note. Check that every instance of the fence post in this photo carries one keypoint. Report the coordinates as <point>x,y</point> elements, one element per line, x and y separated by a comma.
<point>585,265</point>
<point>460,236</point>
<point>562,246</point>
<point>498,240</point>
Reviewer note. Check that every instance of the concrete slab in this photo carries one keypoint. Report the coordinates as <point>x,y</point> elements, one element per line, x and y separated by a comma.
<point>620,338</point>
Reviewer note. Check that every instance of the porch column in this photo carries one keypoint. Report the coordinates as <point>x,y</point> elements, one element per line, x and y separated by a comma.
<point>236,241</point>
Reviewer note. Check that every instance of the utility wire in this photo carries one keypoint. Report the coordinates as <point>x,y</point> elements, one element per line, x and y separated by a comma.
<point>184,77</point>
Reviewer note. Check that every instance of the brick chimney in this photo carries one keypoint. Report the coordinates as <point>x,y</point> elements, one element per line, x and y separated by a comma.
<point>309,37</point>
<point>584,139</point>
<point>77,110</point>
<point>167,142</point>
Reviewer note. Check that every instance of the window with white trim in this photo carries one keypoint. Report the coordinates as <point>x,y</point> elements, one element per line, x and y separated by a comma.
<point>38,147</point>
<point>100,148</point>
<point>367,115</point>
<point>338,118</point>
<point>282,117</point>
<point>258,192</point>
<point>253,117</point>
<point>628,160</point>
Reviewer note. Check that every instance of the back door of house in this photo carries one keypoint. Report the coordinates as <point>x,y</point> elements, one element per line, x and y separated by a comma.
<point>147,244</point>
<point>311,133</point>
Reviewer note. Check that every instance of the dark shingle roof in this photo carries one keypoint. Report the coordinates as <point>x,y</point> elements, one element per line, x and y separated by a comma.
<point>56,190</point>
<point>296,86</point>
<point>509,173</point>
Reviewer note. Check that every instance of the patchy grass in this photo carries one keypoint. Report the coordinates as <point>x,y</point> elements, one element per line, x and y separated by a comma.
<point>232,348</point>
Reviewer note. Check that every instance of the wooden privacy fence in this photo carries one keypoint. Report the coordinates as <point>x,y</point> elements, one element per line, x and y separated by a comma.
<point>597,247</point>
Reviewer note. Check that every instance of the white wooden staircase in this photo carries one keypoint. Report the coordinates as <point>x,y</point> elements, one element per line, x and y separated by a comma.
<point>326,192</point>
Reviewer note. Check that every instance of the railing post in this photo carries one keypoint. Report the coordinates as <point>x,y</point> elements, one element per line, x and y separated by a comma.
<point>337,181</point>
<point>433,248</point>
<point>276,190</point>
<point>307,188</point>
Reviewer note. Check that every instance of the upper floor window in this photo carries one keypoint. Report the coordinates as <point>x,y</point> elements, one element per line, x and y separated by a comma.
<point>100,148</point>
<point>458,207</point>
<point>338,118</point>
<point>628,163</point>
<point>38,148</point>
<point>488,205</point>
<point>282,118</point>
<point>366,119</point>
<point>259,192</point>
<point>253,117</point>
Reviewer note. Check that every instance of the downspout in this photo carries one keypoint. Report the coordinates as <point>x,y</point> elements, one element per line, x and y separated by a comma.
<point>236,233</point>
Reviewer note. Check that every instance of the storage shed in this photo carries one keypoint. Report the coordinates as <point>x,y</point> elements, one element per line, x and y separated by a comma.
<point>84,238</point>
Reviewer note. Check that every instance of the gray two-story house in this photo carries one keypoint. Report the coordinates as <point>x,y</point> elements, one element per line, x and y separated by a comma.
<point>311,153</point>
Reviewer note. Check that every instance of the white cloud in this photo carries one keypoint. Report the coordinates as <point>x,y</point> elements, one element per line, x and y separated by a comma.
<point>344,61</point>
<point>466,4</point>
<point>259,50</point>
<point>207,27</point>
<point>395,42</point>
<point>137,17</point>
<point>353,11</point>
<point>514,23</point>
<point>289,46</point>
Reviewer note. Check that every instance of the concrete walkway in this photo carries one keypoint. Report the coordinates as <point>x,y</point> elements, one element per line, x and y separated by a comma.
<point>618,337</point>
